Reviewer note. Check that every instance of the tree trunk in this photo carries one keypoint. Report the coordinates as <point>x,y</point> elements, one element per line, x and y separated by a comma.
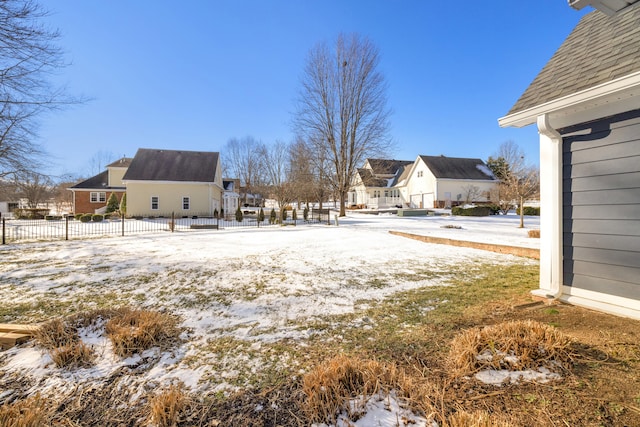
<point>343,200</point>
<point>521,212</point>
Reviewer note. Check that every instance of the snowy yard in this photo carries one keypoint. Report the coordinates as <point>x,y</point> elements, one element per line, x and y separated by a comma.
<point>238,292</point>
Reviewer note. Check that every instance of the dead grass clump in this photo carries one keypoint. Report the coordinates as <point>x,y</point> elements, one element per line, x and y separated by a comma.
<point>331,387</point>
<point>474,419</point>
<point>165,409</point>
<point>534,234</point>
<point>56,333</point>
<point>30,412</point>
<point>74,354</point>
<point>515,345</point>
<point>133,331</point>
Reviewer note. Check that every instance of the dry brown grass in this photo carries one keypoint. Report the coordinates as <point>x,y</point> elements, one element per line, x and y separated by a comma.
<point>30,412</point>
<point>533,344</point>
<point>167,408</point>
<point>330,387</point>
<point>534,234</point>
<point>133,331</point>
<point>56,333</point>
<point>76,354</point>
<point>475,419</point>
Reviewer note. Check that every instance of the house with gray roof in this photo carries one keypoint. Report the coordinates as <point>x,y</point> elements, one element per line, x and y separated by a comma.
<point>161,182</point>
<point>586,105</point>
<point>376,184</point>
<point>91,195</point>
<point>427,182</point>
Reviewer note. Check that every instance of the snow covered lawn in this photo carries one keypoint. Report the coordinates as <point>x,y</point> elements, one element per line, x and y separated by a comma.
<point>238,292</point>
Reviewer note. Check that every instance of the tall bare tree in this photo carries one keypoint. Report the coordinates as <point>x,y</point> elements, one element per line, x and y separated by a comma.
<point>301,171</point>
<point>28,56</point>
<point>242,160</point>
<point>35,188</point>
<point>519,180</point>
<point>342,108</point>
<point>277,162</point>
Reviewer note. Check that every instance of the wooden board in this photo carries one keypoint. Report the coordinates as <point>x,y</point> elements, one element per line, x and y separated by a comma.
<point>22,329</point>
<point>10,339</point>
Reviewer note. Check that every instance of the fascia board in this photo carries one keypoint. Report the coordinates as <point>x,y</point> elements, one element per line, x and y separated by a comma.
<point>608,93</point>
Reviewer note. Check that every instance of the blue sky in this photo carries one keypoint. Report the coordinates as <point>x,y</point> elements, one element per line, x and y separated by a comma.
<point>191,75</point>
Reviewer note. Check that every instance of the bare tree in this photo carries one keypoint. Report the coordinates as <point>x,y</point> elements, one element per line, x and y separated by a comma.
<point>301,172</point>
<point>518,179</point>
<point>342,108</point>
<point>99,161</point>
<point>28,56</point>
<point>277,162</point>
<point>471,193</point>
<point>34,187</point>
<point>242,161</point>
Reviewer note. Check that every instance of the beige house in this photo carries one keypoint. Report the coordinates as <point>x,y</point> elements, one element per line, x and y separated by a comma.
<point>162,182</point>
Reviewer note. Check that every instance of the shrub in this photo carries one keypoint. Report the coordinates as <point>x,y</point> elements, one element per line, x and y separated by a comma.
<point>30,412</point>
<point>112,203</point>
<point>294,215</point>
<point>475,211</point>
<point>284,214</point>
<point>133,331</point>
<point>78,216</point>
<point>239,216</point>
<point>97,217</point>
<point>260,215</point>
<point>85,218</point>
<point>215,213</point>
<point>272,216</point>
<point>530,210</point>
<point>305,213</point>
<point>123,204</point>
<point>52,217</point>
<point>534,234</point>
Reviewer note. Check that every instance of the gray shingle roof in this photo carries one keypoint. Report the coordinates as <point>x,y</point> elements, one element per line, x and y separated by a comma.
<point>120,163</point>
<point>387,167</point>
<point>172,165</point>
<point>457,168</point>
<point>600,49</point>
<point>97,182</point>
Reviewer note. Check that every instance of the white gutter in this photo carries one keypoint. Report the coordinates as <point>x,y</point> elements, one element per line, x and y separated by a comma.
<point>551,140</point>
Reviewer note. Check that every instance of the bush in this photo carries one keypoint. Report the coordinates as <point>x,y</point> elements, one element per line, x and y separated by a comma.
<point>97,217</point>
<point>272,217</point>
<point>305,213</point>
<point>475,211</point>
<point>112,203</point>
<point>52,217</point>
<point>239,216</point>
<point>216,214</point>
<point>284,214</point>
<point>294,215</point>
<point>530,210</point>
<point>85,217</point>
<point>78,216</point>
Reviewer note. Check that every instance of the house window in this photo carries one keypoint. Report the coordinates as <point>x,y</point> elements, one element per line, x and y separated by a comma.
<point>98,197</point>
<point>420,174</point>
<point>185,203</point>
<point>155,203</point>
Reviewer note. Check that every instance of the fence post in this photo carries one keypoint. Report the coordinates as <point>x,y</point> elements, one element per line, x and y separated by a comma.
<point>173,221</point>
<point>4,241</point>
<point>122,221</point>
<point>66,228</point>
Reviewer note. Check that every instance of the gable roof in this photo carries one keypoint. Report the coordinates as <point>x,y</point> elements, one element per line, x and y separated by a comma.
<point>120,163</point>
<point>386,166</point>
<point>610,7</point>
<point>99,181</point>
<point>172,165</point>
<point>599,50</point>
<point>457,168</point>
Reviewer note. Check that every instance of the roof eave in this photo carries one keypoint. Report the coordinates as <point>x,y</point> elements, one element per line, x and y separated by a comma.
<point>608,7</point>
<point>624,91</point>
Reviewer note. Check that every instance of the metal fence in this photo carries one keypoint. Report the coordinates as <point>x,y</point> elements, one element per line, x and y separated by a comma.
<point>55,228</point>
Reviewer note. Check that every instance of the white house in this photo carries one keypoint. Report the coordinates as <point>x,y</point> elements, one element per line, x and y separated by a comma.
<point>586,105</point>
<point>427,182</point>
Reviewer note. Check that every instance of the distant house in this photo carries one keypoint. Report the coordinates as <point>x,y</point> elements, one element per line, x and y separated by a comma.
<point>439,182</point>
<point>231,195</point>
<point>375,185</point>
<point>92,194</point>
<point>586,104</point>
<point>427,182</point>
<point>162,182</point>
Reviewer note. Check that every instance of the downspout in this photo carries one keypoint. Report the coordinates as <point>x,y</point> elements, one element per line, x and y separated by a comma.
<point>554,208</point>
